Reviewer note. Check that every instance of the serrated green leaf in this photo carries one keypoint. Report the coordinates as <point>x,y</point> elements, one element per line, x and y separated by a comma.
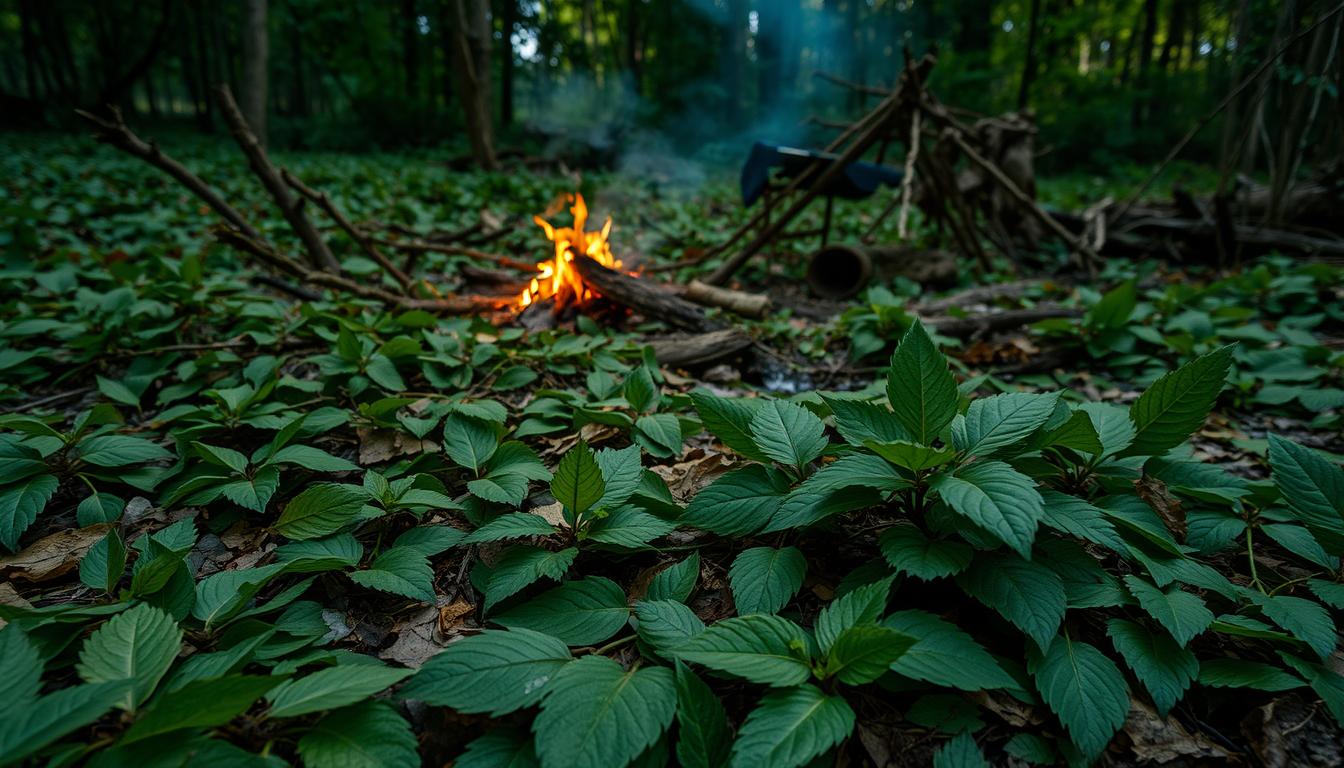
<point>1165,668</point>
<point>580,612</point>
<point>788,433</point>
<point>729,420</point>
<point>1308,621</point>
<point>200,704</point>
<point>596,714</point>
<point>861,606</point>
<point>402,571</point>
<point>760,648</point>
<point>578,483</point>
<point>764,579</point>
<point>119,451</point>
<point>920,387</point>
<point>1027,594</point>
<point>739,502</point>
<point>19,505</point>
<point>677,581</point>
<point>1182,614</point>
<point>859,422</point>
<point>1175,405</point>
<point>1242,673</point>
<point>136,645</point>
<point>703,737</point>
<point>369,734</point>
<point>960,752</point>
<point>332,688</point>
<point>791,727</point>
<point>468,441</point>
<point>321,510</point>
<point>665,624</point>
<point>945,655</point>
<point>519,566</point>
<point>1084,689</point>
<point>908,550</point>
<point>515,525</point>
<point>1312,486</point>
<point>29,728</point>
<point>995,497</point>
<point>997,422</point>
<point>863,653</point>
<point>495,672</point>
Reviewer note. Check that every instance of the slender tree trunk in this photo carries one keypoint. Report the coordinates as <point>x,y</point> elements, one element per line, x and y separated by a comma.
<point>448,36</point>
<point>509,20</point>
<point>29,47</point>
<point>1140,109</point>
<point>1029,64</point>
<point>409,50</point>
<point>735,59</point>
<point>255,79</point>
<point>471,56</point>
<point>1175,42</point>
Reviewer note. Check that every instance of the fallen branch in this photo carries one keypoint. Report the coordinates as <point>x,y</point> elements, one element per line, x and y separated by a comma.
<point>360,237</point>
<point>753,305</point>
<point>456,305</point>
<point>981,325</point>
<point>982,294</point>
<point>702,349</point>
<point>319,256</point>
<point>115,133</point>
<point>421,246</point>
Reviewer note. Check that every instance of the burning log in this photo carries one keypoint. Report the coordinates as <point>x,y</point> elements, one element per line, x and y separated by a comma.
<point>645,296</point>
<point>753,305</point>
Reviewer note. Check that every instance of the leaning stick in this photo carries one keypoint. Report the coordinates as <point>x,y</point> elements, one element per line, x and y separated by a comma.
<point>319,256</point>
<point>360,237</point>
<point>908,181</point>
<point>117,134</point>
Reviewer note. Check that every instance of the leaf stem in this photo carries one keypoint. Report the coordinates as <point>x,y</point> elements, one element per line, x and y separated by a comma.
<point>614,644</point>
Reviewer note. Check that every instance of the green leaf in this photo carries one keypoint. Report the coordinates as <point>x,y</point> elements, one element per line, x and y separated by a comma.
<point>1165,668</point>
<point>321,510</point>
<point>430,540</point>
<point>1176,405</point>
<point>23,664</point>
<point>788,433</point>
<point>596,714</point>
<point>578,483</point>
<point>366,735</point>
<point>995,497</point>
<point>739,502</point>
<point>38,723</point>
<point>136,645</point>
<point>312,458</point>
<point>621,473</point>
<point>703,737</point>
<point>521,565</point>
<point>19,505</point>
<point>858,607</point>
<point>729,420</point>
<point>332,688</point>
<point>514,377</point>
<point>580,612</point>
<point>676,581</point>
<point>1182,614</point>
<point>764,579</point>
<point>1028,594</point>
<point>665,624</point>
<point>402,571</point>
<point>495,672</point>
<point>220,596</point>
<point>1031,748</point>
<point>469,442</point>
<point>960,752</point>
<point>861,654</point>
<point>659,434</point>
<point>1084,689</point>
<point>945,655</point>
<point>503,747</point>
<point>1000,421</point>
<point>384,373</point>
<point>1327,683</point>
<point>1308,621</point>
<point>639,390</point>
<point>1312,486</point>
<point>515,525</point>
<point>1241,673</point>
<point>760,648</point>
<point>1076,517</point>
<point>791,727</point>
<point>119,451</point>
<point>104,563</point>
<point>629,527</point>
<point>908,550</point>
<point>200,704</point>
<point>1113,310</point>
<point>1329,593</point>
<point>920,387</point>
<point>316,555</point>
<point>859,422</point>
<point>911,456</point>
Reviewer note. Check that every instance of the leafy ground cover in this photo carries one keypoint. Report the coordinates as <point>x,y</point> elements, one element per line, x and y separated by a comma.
<point>242,528</point>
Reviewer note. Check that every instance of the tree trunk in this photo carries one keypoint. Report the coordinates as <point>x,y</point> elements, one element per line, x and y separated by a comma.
<point>509,20</point>
<point>1029,64</point>
<point>255,50</point>
<point>471,60</point>
<point>29,48</point>
<point>735,59</point>
<point>1146,45</point>
<point>409,50</point>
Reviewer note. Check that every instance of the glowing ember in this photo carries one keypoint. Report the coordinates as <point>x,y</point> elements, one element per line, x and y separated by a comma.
<point>557,278</point>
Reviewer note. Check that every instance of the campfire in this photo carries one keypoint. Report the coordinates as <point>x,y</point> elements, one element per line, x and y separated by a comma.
<point>557,279</point>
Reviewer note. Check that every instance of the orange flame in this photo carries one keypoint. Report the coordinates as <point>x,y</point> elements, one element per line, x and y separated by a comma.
<point>557,277</point>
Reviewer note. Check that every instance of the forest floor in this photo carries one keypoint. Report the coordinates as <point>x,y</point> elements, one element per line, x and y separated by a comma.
<point>857,541</point>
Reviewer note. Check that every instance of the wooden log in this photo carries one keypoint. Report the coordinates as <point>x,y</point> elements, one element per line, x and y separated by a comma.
<point>979,325</point>
<point>981,294</point>
<point>643,295</point>
<point>753,305</point>
<point>701,349</point>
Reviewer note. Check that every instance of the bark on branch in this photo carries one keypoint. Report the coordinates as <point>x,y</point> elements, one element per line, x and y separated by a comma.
<point>361,238</point>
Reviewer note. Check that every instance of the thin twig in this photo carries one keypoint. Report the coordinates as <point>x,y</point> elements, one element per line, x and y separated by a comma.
<point>361,238</point>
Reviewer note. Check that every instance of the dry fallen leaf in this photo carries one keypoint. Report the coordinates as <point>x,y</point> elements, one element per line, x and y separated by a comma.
<point>379,445</point>
<point>1155,494</point>
<point>1160,741</point>
<point>52,556</point>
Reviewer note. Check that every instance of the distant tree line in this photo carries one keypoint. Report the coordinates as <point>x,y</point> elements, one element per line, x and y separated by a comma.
<point>1105,77</point>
